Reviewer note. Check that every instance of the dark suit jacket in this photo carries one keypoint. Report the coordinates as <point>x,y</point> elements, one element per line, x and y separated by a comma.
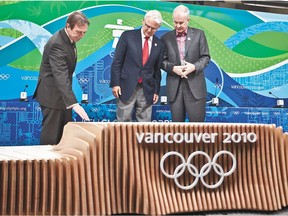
<point>127,67</point>
<point>54,87</point>
<point>196,52</point>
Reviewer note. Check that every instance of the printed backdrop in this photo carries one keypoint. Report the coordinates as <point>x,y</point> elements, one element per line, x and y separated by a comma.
<point>248,69</point>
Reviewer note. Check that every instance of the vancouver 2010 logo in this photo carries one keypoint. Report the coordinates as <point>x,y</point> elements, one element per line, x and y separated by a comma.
<point>180,169</point>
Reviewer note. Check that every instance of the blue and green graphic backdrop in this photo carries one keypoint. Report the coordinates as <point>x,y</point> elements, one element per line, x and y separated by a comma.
<point>248,69</point>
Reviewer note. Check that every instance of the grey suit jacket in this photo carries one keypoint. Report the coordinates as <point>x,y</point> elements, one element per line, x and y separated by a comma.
<point>127,67</point>
<point>54,87</point>
<point>196,52</point>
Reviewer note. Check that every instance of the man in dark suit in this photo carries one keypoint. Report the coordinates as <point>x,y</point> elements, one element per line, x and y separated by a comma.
<point>135,71</point>
<point>186,55</point>
<point>54,88</point>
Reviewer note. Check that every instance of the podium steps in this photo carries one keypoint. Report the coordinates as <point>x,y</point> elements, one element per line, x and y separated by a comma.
<point>115,168</point>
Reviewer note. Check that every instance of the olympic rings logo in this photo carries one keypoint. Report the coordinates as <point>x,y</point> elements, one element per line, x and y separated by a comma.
<point>276,88</point>
<point>4,76</point>
<point>180,169</point>
<point>83,80</point>
<point>94,109</point>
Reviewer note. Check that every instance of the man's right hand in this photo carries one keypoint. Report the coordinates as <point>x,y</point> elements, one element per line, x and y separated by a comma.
<point>81,112</point>
<point>116,90</point>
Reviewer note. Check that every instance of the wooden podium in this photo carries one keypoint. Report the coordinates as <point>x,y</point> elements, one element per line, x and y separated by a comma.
<point>148,168</point>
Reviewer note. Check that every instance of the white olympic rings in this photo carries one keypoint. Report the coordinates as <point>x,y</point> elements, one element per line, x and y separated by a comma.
<point>180,169</point>
<point>4,76</point>
<point>83,80</point>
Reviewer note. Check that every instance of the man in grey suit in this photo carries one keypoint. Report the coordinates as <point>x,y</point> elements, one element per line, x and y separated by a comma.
<point>186,55</point>
<point>135,70</point>
<point>54,88</point>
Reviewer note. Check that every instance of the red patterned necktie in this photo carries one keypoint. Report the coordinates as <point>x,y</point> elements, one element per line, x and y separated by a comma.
<point>145,51</point>
<point>145,54</point>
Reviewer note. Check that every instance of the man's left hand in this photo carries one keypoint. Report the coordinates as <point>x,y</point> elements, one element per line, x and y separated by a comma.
<point>155,98</point>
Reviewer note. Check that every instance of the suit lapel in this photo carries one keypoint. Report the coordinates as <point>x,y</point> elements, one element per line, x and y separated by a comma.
<point>75,52</point>
<point>154,47</point>
<point>189,38</point>
<point>138,43</point>
<point>174,44</point>
<point>71,51</point>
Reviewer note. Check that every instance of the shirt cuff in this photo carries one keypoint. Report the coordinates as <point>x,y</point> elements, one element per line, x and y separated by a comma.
<point>71,106</point>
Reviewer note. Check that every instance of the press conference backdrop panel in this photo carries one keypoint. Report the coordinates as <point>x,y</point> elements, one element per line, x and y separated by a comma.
<point>27,118</point>
<point>248,67</point>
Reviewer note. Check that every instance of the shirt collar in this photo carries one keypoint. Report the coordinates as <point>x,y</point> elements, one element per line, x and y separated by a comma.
<point>68,36</point>
<point>143,36</point>
<point>182,34</point>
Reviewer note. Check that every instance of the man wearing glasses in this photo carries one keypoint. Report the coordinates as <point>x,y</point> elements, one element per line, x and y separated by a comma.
<point>135,70</point>
<point>54,88</point>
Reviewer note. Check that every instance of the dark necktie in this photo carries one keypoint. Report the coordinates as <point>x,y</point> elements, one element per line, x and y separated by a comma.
<point>75,50</point>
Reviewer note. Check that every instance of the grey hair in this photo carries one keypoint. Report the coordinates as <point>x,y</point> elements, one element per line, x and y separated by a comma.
<point>183,9</point>
<point>155,14</point>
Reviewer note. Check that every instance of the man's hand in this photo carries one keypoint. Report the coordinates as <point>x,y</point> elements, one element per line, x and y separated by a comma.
<point>179,70</point>
<point>189,68</point>
<point>155,98</point>
<point>116,90</point>
<point>81,112</point>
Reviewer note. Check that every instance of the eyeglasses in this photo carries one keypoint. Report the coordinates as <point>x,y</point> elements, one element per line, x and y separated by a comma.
<point>150,27</point>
